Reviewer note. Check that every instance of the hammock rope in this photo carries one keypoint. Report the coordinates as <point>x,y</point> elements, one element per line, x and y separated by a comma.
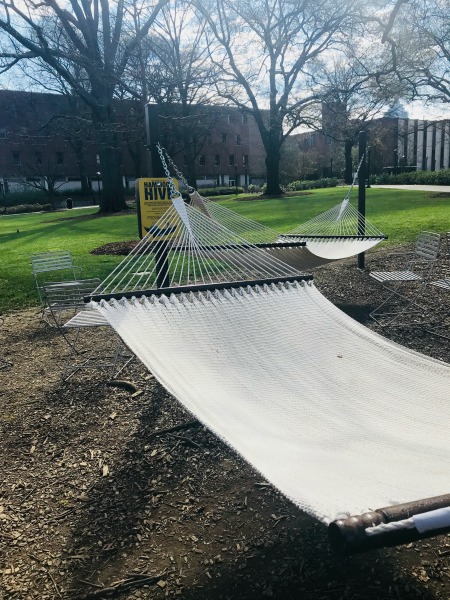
<point>196,251</point>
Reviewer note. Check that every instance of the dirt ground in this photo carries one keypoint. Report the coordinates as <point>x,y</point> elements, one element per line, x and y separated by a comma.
<point>101,496</point>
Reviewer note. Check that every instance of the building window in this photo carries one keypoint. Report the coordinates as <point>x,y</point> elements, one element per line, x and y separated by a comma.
<point>244,119</point>
<point>202,160</point>
<point>238,140</point>
<point>38,158</point>
<point>97,159</point>
<point>231,160</point>
<point>2,134</point>
<point>16,158</point>
<point>59,158</point>
<point>245,160</point>
<point>217,160</point>
<point>224,138</point>
<point>229,118</point>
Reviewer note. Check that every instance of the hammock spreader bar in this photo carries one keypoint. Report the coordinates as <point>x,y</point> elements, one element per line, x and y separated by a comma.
<point>391,526</point>
<point>333,237</point>
<point>203,287</point>
<point>249,246</point>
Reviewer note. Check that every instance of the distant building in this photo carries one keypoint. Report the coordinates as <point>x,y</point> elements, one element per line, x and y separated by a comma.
<point>37,141</point>
<point>395,144</point>
<point>226,149</point>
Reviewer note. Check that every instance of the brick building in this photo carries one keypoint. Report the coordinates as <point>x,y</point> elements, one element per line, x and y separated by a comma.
<point>40,141</point>
<point>226,149</point>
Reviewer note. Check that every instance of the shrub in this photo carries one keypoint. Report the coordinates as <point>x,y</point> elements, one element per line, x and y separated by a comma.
<point>325,182</point>
<point>219,191</point>
<point>27,208</point>
<point>441,177</point>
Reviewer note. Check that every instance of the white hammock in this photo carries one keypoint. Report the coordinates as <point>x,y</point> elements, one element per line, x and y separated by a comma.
<point>338,233</point>
<point>338,418</point>
<point>333,235</point>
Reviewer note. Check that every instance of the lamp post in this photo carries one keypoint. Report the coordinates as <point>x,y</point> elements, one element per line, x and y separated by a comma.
<point>235,179</point>
<point>98,174</point>
<point>369,150</point>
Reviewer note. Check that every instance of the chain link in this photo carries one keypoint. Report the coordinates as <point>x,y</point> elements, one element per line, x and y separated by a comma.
<point>174,193</point>
<point>354,179</point>
<point>177,171</point>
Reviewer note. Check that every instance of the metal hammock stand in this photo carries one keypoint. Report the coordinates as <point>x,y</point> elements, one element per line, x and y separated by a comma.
<point>205,335</point>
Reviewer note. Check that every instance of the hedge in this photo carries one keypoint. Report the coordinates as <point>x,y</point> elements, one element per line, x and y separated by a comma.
<point>27,208</point>
<point>325,182</point>
<point>441,177</point>
<point>220,191</point>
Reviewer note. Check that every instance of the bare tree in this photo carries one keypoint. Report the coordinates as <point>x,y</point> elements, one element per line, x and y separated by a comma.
<point>98,39</point>
<point>44,177</point>
<point>426,64</point>
<point>175,72</point>
<point>357,89</point>
<point>266,51</point>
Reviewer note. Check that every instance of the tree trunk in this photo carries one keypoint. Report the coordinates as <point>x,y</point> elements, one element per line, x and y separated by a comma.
<point>112,198</point>
<point>273,169</point>
<point>78,148</point>
<point>348,177</point>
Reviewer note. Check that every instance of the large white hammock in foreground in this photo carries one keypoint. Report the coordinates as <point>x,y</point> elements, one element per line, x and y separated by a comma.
<point>338,418</point>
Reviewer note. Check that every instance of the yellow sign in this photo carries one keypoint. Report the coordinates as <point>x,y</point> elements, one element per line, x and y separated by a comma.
<point>153,199</point>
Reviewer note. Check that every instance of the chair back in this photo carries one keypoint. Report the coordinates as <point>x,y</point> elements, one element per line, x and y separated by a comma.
<point>427,245</point>
<point>51,261</point>
<point>68,294</point>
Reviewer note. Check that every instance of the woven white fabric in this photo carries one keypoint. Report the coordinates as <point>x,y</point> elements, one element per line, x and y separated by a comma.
<point>338,418</point>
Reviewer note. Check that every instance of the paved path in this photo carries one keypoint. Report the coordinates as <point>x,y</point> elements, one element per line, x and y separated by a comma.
<point>417,188</point>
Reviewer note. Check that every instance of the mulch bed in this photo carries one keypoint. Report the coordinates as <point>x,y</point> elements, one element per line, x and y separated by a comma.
<point>104,495</point>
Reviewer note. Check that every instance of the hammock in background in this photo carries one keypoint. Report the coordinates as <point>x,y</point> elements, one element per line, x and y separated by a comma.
<point>338,233</point>
<point>336,417</point>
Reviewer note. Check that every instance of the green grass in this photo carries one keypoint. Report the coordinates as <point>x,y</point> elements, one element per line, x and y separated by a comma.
<point>22,235</point>
<point>399,214</point>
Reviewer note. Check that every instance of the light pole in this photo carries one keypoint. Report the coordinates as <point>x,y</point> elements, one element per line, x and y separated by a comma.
<point>235,179</point>
<point>98,187</point>
<point>369,150</point>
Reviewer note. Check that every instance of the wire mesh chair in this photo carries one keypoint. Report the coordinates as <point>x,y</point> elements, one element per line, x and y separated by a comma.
<point>65,303</point>
<point>48,265</point>
<point>441,327</point>
<point>417,270</point>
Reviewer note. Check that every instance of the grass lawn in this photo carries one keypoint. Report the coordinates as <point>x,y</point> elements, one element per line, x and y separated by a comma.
<point>22,235</point>
<point>399,214</point>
